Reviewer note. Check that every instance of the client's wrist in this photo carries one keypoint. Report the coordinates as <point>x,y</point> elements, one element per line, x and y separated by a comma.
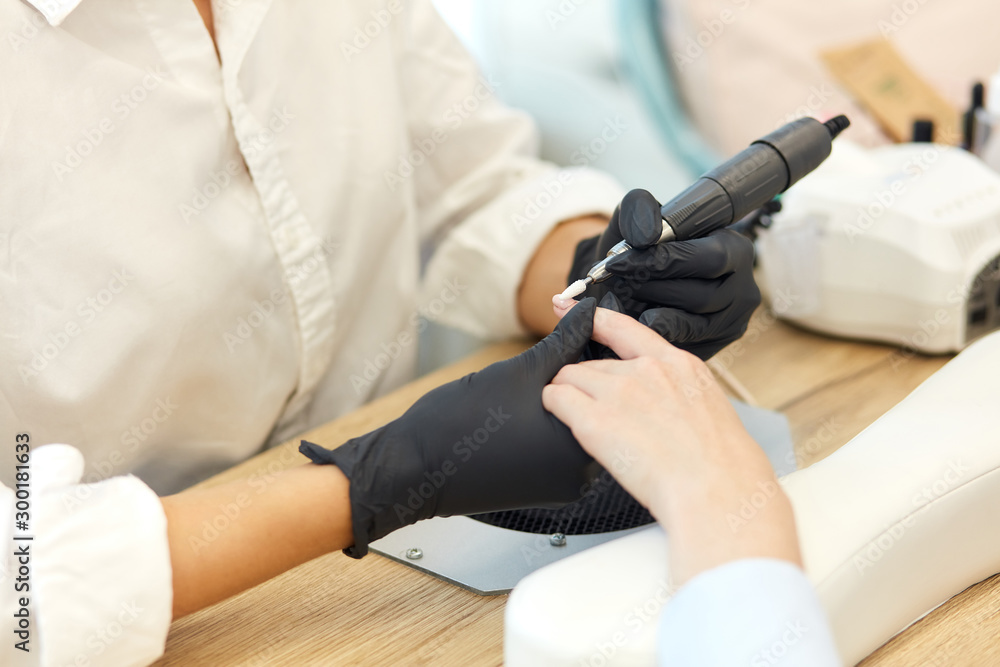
<point>723,516</point>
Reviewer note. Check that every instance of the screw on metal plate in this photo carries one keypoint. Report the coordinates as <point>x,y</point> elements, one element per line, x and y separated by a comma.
<point>414,553</point>
<point>557,540</point>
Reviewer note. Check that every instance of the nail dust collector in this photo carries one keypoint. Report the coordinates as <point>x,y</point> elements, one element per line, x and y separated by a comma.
<point>489,553</point>
<point>899,244</point>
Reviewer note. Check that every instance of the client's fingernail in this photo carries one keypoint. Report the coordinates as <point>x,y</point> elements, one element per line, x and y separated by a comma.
<point>563,303</point>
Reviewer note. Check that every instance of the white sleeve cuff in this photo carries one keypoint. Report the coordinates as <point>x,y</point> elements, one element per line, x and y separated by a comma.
<point>102,579</point>
<point>55,11</point>
<point>483,259</point>
<point>758,611</point>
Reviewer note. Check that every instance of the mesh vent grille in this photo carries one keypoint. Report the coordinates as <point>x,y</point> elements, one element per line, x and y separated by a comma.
<point>604,508</point>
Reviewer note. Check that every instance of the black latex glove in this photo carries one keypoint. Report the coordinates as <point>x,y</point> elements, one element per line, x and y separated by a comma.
<point>697,294</point>
<point>482,443</point>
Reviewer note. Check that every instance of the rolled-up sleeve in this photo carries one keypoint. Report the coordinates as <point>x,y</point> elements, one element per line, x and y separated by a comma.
<point>485,200</point>
<point>756,612</point>
<point>100,585</point>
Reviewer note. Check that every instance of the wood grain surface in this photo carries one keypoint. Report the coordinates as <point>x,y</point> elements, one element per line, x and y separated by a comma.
<point>337,611</point>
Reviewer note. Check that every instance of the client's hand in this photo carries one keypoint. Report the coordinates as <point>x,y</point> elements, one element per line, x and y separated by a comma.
<point>482,443</point>
<point>658,422</point>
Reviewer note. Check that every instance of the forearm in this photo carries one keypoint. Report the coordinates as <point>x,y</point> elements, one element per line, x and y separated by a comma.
<point>548,269</point>
<point>228,538</point>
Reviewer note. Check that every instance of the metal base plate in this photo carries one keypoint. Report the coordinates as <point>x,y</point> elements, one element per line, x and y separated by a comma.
<point>490,560</point>
<point>479,557</point>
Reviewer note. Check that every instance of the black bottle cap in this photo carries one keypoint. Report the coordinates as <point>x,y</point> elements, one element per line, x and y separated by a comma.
<point>923,131</point>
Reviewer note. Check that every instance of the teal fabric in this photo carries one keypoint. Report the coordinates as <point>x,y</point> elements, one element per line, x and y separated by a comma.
<point>647,62</point>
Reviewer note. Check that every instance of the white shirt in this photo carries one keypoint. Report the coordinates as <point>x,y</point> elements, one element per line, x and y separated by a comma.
<point>197,261</point>
<point>759,612</point>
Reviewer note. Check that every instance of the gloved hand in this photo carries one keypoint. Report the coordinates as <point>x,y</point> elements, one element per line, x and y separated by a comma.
<point>478,444</point>
<point>697,294</point>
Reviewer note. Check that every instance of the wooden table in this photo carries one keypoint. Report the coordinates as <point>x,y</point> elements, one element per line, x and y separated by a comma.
<point>337,611</point>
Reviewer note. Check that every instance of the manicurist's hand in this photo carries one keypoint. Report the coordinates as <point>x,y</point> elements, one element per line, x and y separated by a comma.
<point>698,294</point>
<point>479,444</point>
<point>658,421</point>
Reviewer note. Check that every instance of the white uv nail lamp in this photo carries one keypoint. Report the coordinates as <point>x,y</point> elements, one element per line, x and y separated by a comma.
<point>899,244</point>
<point>892,524</point>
